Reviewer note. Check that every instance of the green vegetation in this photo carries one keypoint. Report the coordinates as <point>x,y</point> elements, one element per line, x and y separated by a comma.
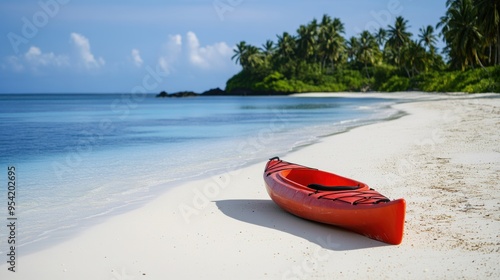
<point>319,58</point>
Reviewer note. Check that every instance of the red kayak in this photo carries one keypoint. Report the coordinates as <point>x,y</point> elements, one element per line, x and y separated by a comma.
<point>332,199</point>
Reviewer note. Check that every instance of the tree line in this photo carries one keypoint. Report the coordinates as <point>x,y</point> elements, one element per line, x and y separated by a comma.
<point>319,56</point>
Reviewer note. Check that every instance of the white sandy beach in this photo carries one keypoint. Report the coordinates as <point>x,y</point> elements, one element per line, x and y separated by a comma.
<point>443,157</point>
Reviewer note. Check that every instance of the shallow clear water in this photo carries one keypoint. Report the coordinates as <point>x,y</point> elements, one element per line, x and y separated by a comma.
<point>81,157</point>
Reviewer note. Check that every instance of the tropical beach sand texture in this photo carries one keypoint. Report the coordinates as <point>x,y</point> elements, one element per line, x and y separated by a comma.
<point>443,157</point>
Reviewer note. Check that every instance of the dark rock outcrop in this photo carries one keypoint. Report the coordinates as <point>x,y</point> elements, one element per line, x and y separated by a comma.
<point>177,94</point>
<point>219,92</point>
<point>214,92</point>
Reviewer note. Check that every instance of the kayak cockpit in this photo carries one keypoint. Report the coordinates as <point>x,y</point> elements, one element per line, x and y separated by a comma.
<point>320,180</point>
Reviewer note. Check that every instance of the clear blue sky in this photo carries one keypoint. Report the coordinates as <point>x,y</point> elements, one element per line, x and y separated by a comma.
<point>90,46</point>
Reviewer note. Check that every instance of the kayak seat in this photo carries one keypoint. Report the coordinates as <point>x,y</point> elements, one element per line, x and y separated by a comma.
<point>319,187</point>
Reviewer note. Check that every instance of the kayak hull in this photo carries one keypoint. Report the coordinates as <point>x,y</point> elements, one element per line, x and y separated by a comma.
<point>343,202</point>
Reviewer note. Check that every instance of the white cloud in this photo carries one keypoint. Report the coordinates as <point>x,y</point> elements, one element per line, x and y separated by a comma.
<point>35,57</point>
<point>136,56</point>
<point>172,52</point>
<point>83,46</point>
<point>176,40</point>
<point>210,56</point>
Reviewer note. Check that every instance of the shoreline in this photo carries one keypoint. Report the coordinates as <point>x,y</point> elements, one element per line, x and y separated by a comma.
<point>226,225</point>
<point>53,233</point>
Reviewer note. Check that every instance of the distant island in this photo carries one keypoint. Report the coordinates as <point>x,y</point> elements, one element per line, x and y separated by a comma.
<point>216,92</point>
<point>211,92</point>
<point>318,58</point>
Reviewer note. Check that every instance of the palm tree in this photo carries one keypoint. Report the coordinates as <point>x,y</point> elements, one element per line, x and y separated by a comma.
<point>253,57</point>
<point>284,58</point>
<point>461,33</point>
<point>330,43</point>
<point>306,40</point>
<point>381,37</point>
<point>427,37</point>
<point>368,50</point>
<point>248,56</point>
<point>239,51</point>
<point>285,47</point>
<point>267,52</point>
<point>338,41</point>
<point>268,48</point>
<point>397,38</point>
<point>398,35</point>
<point>415,58</point>
<point>488,12</point>
<point>443,25</point>
<point>325,32</point>
<point>352,47</point>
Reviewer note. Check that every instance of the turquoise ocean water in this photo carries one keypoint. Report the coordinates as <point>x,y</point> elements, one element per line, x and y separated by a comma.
<point>83,157</point>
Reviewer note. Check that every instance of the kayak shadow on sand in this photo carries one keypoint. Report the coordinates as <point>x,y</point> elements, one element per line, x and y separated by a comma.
<point>267,214</point>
